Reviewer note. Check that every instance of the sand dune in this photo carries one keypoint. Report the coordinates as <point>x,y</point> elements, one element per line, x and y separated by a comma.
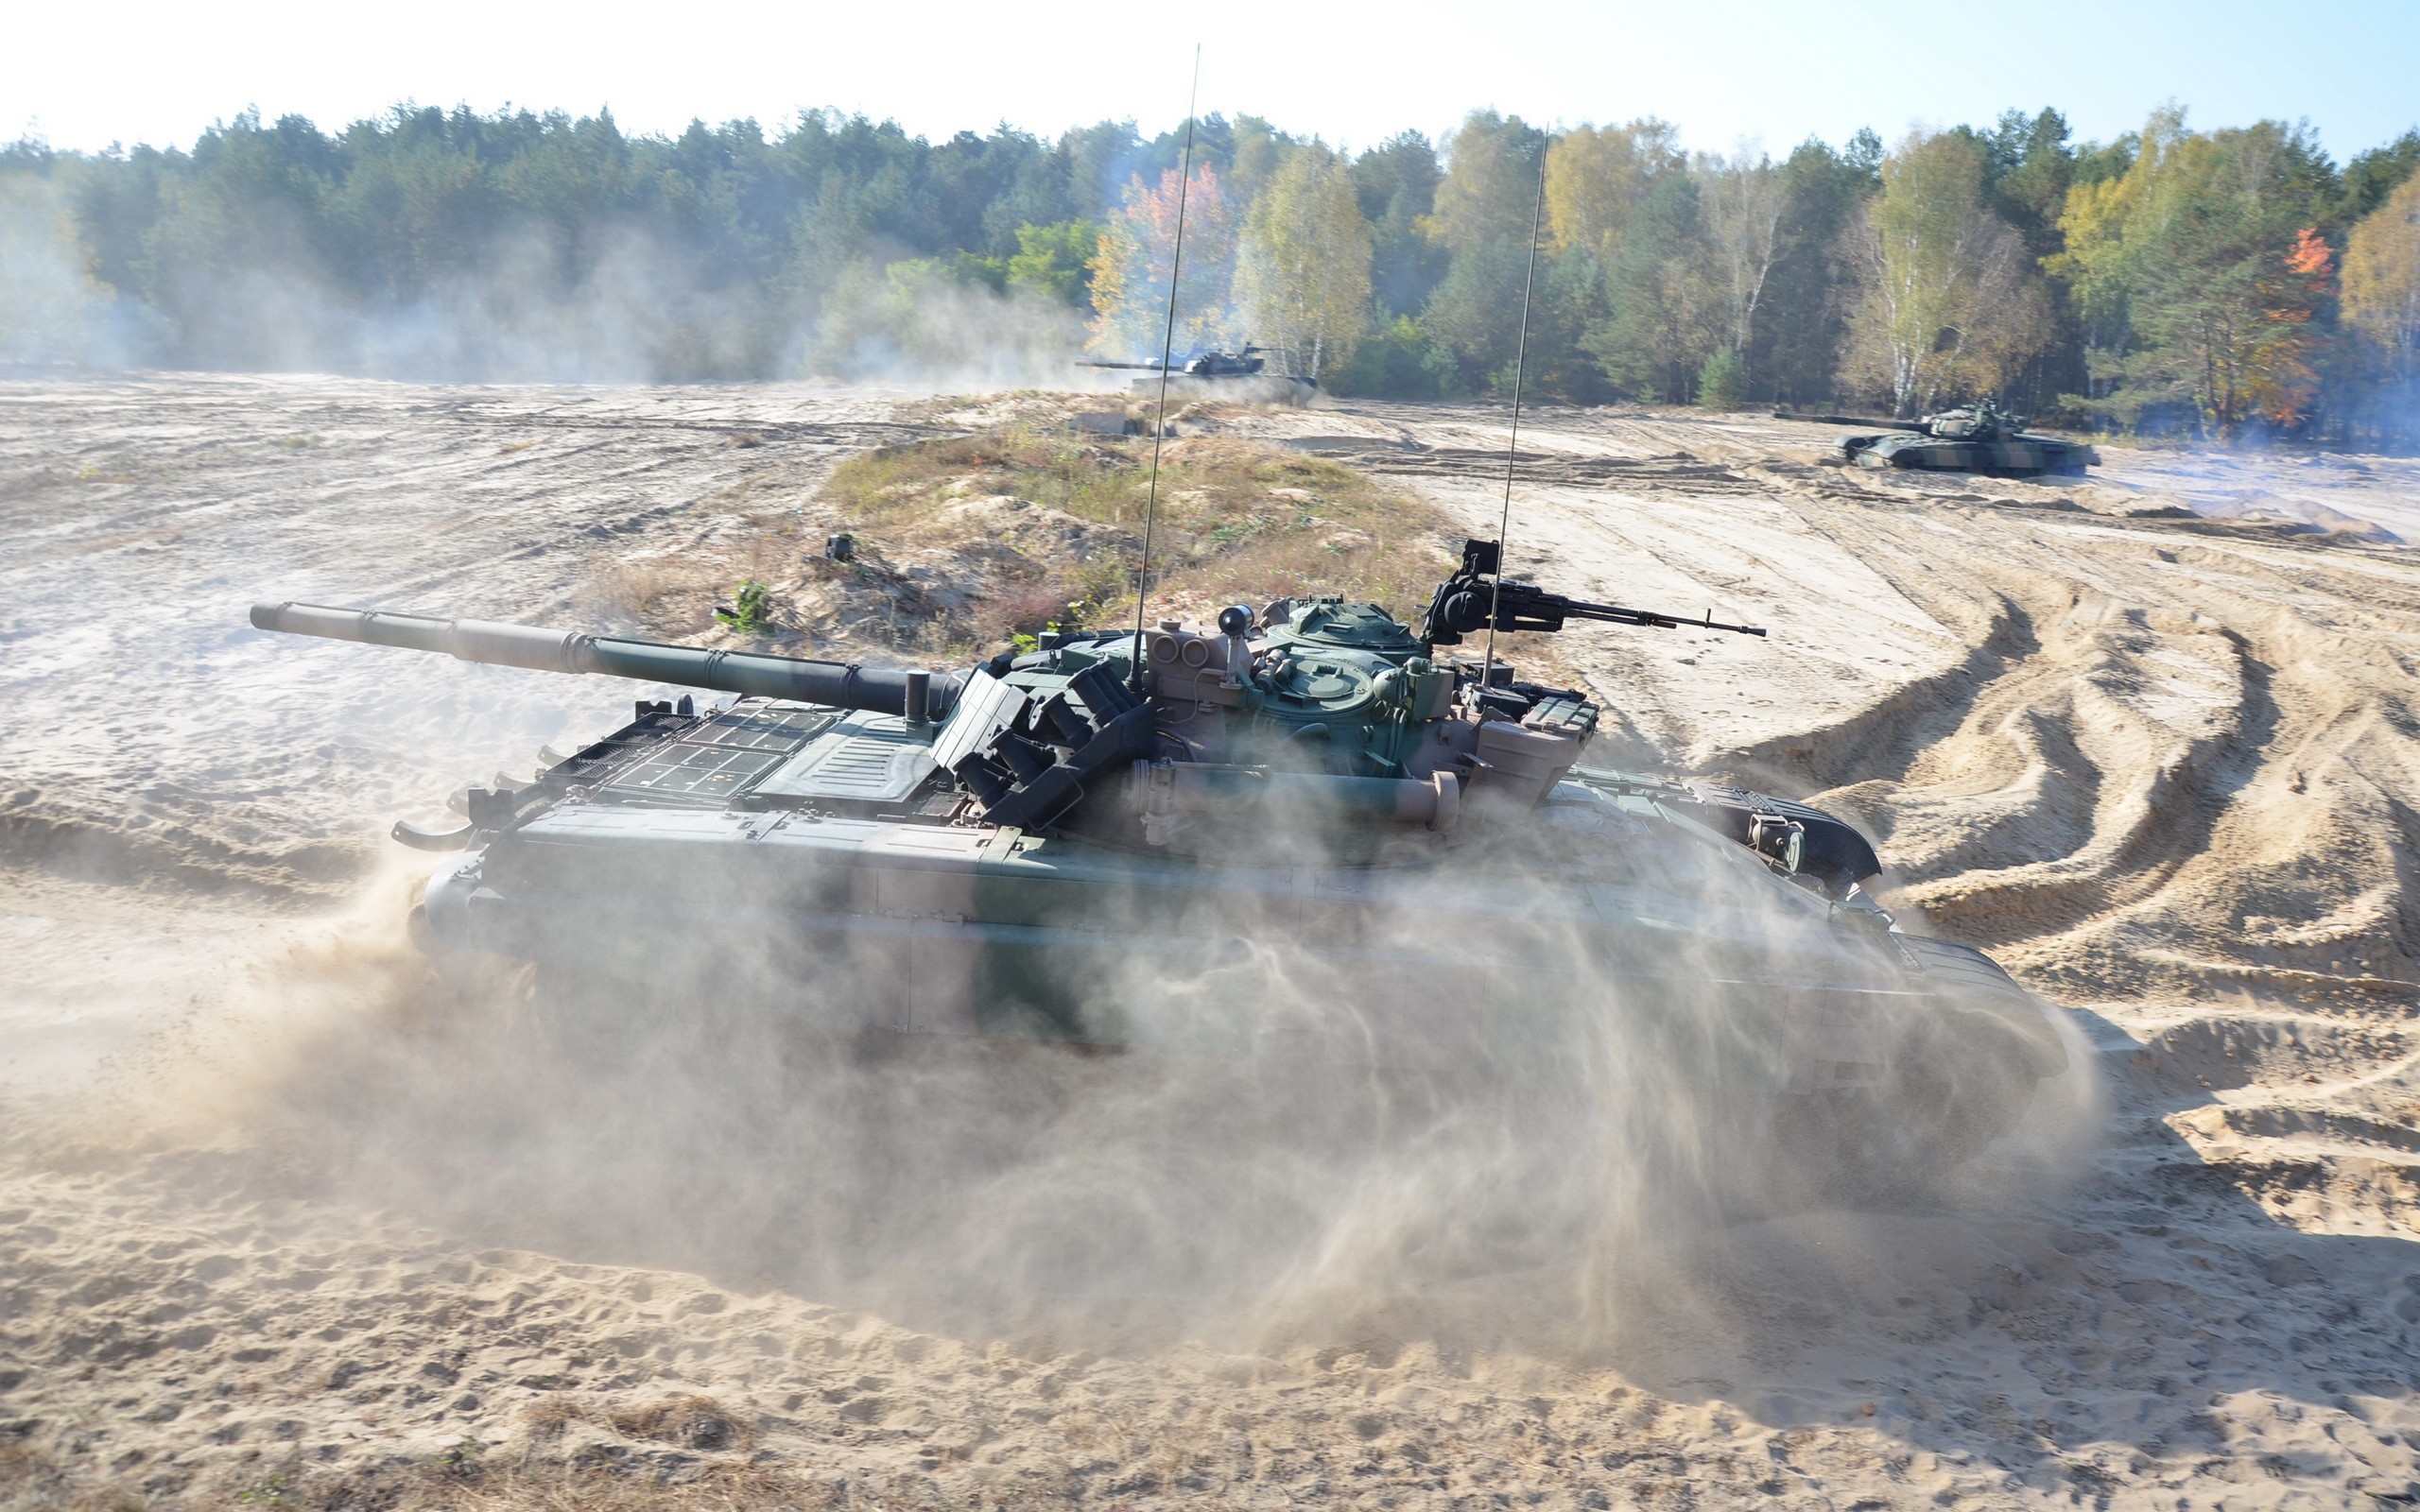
<point>2148,739</point>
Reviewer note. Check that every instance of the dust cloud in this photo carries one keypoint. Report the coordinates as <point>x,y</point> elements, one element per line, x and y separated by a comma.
<point>51,314</point>
<point>318,1212</point>
<point>639,311</point>
<point>1292,1136</point>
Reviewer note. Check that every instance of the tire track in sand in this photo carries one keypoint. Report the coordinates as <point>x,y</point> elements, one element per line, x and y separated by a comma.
<point>2165,766</point>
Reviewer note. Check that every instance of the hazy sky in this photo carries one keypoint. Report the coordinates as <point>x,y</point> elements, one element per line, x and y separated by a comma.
<point>87,76</point>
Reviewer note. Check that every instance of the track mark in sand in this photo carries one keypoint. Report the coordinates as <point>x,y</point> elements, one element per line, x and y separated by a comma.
<point>1470,464</point>
<point>2149,757</point>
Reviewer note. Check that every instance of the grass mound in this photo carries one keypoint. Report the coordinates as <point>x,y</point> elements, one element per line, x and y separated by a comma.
<point>1039,528</point>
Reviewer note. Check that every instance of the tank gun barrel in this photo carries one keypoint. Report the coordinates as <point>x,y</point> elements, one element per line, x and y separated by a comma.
<point>841,685</point>
<point>1867,421</point>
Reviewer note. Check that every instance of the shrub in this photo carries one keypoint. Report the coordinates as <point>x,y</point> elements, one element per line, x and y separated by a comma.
<point>1722,383</point>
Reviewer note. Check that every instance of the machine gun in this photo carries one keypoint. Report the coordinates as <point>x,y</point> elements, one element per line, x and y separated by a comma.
<point>1462,602</point>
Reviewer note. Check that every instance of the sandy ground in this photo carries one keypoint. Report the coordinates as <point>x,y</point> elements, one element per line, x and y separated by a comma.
<point>2148,739</point>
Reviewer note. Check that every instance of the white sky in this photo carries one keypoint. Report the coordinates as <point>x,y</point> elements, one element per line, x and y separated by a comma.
<point>143,71</point>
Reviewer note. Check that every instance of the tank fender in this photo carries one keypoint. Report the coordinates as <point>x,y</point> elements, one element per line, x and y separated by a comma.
<point>1833,852</point>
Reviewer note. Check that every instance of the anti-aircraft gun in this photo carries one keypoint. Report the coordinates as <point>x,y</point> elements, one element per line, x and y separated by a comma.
<point>992,849</point>
<point>1977,437</point>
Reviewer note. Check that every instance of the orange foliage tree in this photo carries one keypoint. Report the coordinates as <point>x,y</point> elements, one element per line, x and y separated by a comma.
<point>1130,269</point>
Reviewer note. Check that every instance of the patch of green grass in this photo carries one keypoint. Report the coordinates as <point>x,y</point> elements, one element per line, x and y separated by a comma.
<point>749,610</point>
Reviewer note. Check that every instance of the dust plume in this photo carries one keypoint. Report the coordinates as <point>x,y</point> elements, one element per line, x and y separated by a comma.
<point>634,310</point>
<point>1298,1135</point>
<point>51,313</point>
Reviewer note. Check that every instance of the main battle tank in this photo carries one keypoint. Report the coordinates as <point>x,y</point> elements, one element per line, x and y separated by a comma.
<point>1204,373</point>
<point>1979,438</point>
<point>1386,849</point>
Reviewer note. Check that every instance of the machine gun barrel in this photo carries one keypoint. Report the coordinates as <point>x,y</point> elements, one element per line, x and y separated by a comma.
<point>1866,421</point>
<point>1615,615</point>
<point>1465,603</point>
<point>838,684</point>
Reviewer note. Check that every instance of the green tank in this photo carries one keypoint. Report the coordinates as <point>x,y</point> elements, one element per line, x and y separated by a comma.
<point>1206,375</point>
<point>1306,829</point>
<point>1979,438</point>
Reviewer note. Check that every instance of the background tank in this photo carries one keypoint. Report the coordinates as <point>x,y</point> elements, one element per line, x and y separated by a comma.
<point>1979,438</point>
<point>1308,830</point>
<point>1220,374</point>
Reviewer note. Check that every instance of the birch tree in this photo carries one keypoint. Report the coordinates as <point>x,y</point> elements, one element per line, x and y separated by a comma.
<point>1739,212</point>
<point>1950,306</point>
<point>1303,275</point>
<point>2382,280</point>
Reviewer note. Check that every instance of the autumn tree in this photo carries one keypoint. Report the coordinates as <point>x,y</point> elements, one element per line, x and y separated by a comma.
<point>2098,260</point>
<point>1597,174</point>
<point>1950,304</point>
<point>1130,267</point>
<point>1302,276</point>
<point>2200,286</point>
<point>2382,301</point>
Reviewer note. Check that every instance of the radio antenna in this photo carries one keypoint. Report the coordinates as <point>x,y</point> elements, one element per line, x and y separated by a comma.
<point>1167,352</point>
<point>1512,449</point>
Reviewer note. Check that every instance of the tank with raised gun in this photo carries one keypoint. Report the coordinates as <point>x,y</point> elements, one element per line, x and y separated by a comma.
<point>1028,846</point>
<point>1977,437</point>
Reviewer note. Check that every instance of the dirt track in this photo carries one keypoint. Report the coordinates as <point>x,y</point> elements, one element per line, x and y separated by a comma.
<point>2158,762</point>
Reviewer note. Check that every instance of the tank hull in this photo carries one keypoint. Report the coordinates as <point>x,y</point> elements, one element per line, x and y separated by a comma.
<point>2014,457</point>
<point>1450,962</point>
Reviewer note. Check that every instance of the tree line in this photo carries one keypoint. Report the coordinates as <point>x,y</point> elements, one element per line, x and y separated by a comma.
<point>2223,282</point>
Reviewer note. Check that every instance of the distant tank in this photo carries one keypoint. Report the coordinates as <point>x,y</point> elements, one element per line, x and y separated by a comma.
<point>1979,438</point>
<point>1046,845</point>
<point>1209,370</point>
